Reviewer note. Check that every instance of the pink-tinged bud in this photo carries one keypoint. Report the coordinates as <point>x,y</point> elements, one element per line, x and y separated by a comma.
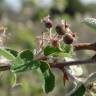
<point>60,29</point>
<point>68,39</point>
<point>48,22</point>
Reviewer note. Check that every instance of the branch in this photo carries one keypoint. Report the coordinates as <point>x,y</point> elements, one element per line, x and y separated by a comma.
<point>80,46</point>
<point>85,46</point>
<point>4,67</point>
<point>70,63</point>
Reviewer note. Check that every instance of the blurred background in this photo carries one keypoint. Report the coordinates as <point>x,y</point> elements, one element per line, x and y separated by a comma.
<point>23,21</point>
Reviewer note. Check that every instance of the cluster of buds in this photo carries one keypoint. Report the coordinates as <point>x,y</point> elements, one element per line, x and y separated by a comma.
<point>64,30</point>
<point>63,33</point>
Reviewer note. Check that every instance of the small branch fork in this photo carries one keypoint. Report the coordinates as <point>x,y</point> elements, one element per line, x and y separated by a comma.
<point>80,46</point>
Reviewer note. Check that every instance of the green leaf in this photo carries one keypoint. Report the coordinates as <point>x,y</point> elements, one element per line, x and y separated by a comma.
<point>91,22</point>
<point>66,51</point>
<point>48,77</point>
<point>18,65</point>
<point>7,54</point>
<point>12,51</point>
<point>25,62</point>
<point>26,54</point>
<point>80,91</point>
<point>63,55</point>
<point>50,50</point>
<point>35,64</point>
<point>66,48</point>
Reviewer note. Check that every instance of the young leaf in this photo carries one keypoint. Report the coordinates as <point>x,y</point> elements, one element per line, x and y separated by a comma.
<point>62,55</point>
<point>35,64</point>
<point>18,66</point>
<point>22,62</point>
<point>50,50</point>
<point>66,48</point>
<point>6,54</point>
<point>48,77</point>
<point>91,22</point>
<point>25,62</point>
<point>21,65</point>
<point>80,91</point>
<point>12,51</point>
<point>26,54</point>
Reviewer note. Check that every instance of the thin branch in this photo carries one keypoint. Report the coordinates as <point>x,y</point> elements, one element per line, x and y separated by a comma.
<point>80,46</point>
<point>4,67</point>
<point>85,46</point>
<point>70,63</point>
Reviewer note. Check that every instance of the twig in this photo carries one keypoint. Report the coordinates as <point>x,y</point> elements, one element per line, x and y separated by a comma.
<point>80,46</point>
<point>4,67</point>
<point>70,63</point>
<point>85,46</point>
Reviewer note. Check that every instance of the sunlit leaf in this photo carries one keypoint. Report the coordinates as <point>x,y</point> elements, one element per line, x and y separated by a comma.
<point>18,65</point>
<point>48,77</point>
<point>50,50</point>
<point>14,52</point>
<point>62,54</point>
<point>6,54</point>
<point>91,22</point>
<point>76,70</point>
<point>66,48</point>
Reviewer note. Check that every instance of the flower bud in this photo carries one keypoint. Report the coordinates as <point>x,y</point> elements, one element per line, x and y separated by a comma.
<point>68,39</point>
<point>48,22</point>
<point>60,29</point>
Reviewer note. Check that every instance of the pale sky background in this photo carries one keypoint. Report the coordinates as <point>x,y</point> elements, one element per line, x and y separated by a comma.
<point>16,5</point>
<point>88,1</point>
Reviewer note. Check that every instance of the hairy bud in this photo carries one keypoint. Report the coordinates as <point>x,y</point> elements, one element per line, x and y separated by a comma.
<point>68,39</point>
<point>60,29</point>
<point>48,22</point>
